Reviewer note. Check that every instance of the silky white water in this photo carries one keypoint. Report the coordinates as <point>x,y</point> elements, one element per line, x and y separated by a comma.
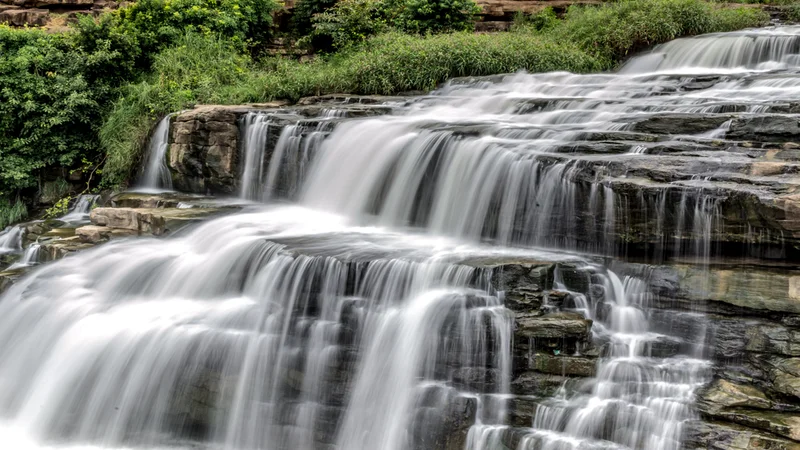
<point>156,176</point>
<point>354,318</point>
<point>78,213</point>
<point>11,240</point>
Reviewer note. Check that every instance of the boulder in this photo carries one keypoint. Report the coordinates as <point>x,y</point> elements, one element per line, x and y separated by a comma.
<point>203,153</point>
<point>163,200</point>
<point>59,248</point>
<point>94,234</point>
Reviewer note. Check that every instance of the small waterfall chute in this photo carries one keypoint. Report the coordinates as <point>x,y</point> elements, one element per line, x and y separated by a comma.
<point>11,240</point>
<point>78,213</point>
<point>156,176</point>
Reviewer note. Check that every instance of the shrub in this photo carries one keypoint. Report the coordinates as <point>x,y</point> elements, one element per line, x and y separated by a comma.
<point>48,109</point>
<point>731,19</point>
<point>11,212</point>
<point>793,12</point>
<point>431,16</point>
<point>304,12</point>
<point>395,62</point>
<point>353,21</point>
<point>349,22</point>
<point>139,31</point>
<point>198,69</point>
<point>617,29</point>
<point>542,20</point>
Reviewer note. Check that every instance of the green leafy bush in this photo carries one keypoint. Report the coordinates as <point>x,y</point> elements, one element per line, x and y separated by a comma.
<point>353,21</point>
<point>349,22</point>
<point>198,69</point>
<point>542,20</point>
<point>55,89</point>
<point>731,19</point>
<point>304,12</point>
<point>139,31</point>
<point>431,16</point>
<point>397,62</point>
<point>48,110</point>
<point>793,12</point>
<point>620,28</point>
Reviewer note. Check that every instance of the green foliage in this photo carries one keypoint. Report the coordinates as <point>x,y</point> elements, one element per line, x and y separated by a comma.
<point>617,29</point>
<point>353,21</point>
<point>431,16</point>
<point>397,62</point>
<point>303,14</point>
<point>139,31</point>
<point>350,21</point>
<point>48,109</point>
<point>12,213</point>
<point>53,190</point>
<point>731,19</point>
<point>59,208</point>
<point>55,89</point>
<point>198,69</point>
<point>542,20</point>
<point>792,12</point>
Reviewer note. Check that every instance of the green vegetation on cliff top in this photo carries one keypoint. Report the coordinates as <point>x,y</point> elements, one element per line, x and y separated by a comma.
<point>95,93</point>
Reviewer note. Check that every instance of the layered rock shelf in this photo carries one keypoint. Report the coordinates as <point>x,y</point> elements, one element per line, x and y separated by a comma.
<point>127,215</point>
<point>40,13</point>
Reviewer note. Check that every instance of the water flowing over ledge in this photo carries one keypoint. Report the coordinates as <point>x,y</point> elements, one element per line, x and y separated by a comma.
<point>424,273</point>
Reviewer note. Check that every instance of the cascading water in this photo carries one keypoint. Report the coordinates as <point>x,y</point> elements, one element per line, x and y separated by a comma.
<point>156,176</point>
<point>279,173</point>
<point>639,400</point>
<point>29,258</point>
<point>11,240</point>
<point>79,212</point>
<point>357,318</point>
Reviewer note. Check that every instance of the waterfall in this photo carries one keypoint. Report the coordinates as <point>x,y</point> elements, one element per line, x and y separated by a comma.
<point>362,305</point>
<point>11,240</point>
<point>207,347</point>
<point>156,176</point>
<point>757,49</point>
<point>254,141</point>
<point>646,396</point>
<point>287,152</point>
<point>80,209</point>
<point>29,258</point>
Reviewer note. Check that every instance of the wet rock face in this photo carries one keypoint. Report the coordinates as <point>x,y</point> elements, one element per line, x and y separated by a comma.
<point>203,150</point>
<point>749,316</point>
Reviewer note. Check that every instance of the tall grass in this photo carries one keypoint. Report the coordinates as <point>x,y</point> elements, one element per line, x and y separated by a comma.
<point>207,70</point>
<point>12,212</point>
<point>617,29</point>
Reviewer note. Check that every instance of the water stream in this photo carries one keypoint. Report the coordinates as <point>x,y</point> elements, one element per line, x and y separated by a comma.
<point>352,314</point>
<point>78,213</point>
<point>156,176</point>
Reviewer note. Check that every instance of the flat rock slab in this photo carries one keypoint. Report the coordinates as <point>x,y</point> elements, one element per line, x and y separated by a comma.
<point>160,200</point>
<point>95,234</point>
<point>555,326</point>
<point>155,221</point>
